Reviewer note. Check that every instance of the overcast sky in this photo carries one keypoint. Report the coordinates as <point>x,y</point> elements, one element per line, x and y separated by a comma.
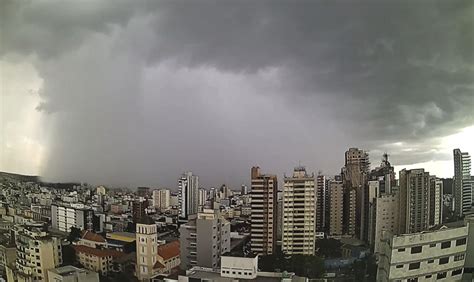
<point>136,92</point>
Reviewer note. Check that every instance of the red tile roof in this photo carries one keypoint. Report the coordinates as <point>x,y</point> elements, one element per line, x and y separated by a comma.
<point>91,236</point>
<point>98,252</point>
<point>169,250</point>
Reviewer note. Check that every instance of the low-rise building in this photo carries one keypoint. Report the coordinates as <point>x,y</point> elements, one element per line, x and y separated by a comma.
<point>70,273</point>
<point>239,267</point>
<point>99,260</point>
<point>424,256</point>
<point>168,257</point>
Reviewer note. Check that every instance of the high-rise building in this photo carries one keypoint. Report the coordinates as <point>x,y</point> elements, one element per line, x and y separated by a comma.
<point>203,239</point>
<point>147,250</point>
<point>385,175</point>
<point>202,196</point>
<point>188,194</point>
<point>414,200</point>
<point>336,207</point>
<point>63,217</point>
<point>350,212</point>
<point>161,199</point>
<point>355,175</point>
<point>139,209</point>
<point>36,253</point>
<point>244,190</point>
<point>383,217</point>
<point>322,200</point>
<point>264,193</point>
<point>143,192</point>
<point>436,201</point>
<point>463,197</point>
<point>299,213</point>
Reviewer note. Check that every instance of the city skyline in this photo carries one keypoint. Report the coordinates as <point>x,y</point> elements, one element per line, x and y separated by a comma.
<point>135,93</point>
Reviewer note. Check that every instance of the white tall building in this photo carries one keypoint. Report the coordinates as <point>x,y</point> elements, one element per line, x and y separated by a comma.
<point>299,213</point>
<point>463,197</point>
<point>188,194</point>
<point>202,196</point>
<point>426,256</point>
<point>436,201</point>
<point>63,217</point>
<point>147,251</point>
<point>161,199</point>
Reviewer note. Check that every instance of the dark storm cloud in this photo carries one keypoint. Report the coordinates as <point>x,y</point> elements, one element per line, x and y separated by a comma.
<point>139,91</point>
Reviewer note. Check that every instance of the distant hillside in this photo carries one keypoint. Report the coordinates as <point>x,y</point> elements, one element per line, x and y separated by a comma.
<point>19,177</point>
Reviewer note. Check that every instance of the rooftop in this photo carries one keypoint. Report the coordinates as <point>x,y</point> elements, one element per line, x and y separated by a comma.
<point>69,270</point>
<point>91,236</point>
<point>98,252</point>
<point>169,250</point>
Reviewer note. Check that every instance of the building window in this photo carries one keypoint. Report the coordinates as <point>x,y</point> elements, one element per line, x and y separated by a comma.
<point>432,245</point>
<point>430,261</point>
<point>460,242</point>
<point>459,257</point>
<point>441,275</point>
<point>446,245</point>
<point>416,250</point>
<point>414,265</point>
<point>413,279</point>
<point>456,272</point>
<point>444,260</point>
<point>428,276</point>
<point>399,266</point>
<point>401,250</point>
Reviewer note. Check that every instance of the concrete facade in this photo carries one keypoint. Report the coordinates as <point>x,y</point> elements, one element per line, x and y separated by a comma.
<point>188,194</point>
<point>36,253</point>
<point>70,273</point>
<point>299,213</point>
<point>264,205</point>
<point>147,250</point>
<point>463,197</point>
<point>336,207</point>
<point>425,256</point>
<point>203,239</point>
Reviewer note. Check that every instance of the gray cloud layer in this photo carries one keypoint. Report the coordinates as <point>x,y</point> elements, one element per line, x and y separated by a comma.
<point>136,92</point>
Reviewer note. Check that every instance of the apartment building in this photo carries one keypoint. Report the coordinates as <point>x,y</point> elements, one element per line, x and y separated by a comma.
<point>161,199</point>
<point>203,239</point>
<point>65,216</point>
<point>299,213</point>
<point>463,194</point>
<point>424,256</point>
<point>36,252</point>
<point>414,200</point>
<point>264,205</point>
<point>336,208</point>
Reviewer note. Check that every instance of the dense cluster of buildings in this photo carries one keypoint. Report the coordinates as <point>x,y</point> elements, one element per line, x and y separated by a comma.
<point>78,232</point>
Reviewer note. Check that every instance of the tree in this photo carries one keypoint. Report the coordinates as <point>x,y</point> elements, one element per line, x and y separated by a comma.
<point>328,248</point>
<point>69,255</point>
<point>301,265</point>
<point>74,234</point>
